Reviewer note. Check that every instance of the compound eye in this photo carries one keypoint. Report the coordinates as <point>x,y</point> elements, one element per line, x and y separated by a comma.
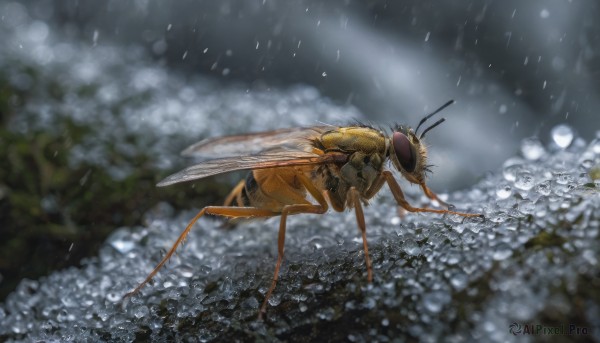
<point>404,151</point>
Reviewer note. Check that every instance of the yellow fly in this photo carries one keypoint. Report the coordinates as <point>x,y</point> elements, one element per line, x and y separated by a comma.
<point>341,167</point>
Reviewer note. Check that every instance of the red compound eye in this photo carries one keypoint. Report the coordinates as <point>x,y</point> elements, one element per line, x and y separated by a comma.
<point>404,151</point>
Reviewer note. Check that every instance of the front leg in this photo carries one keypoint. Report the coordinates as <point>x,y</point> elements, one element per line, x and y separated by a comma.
<point>434,196</point>
<point>399,196</point>
<point>360,219</point>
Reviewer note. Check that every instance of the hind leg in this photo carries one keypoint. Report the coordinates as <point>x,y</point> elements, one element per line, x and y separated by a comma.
<point>322,207</point>
<point>232,212</point>
<point>235,194</point>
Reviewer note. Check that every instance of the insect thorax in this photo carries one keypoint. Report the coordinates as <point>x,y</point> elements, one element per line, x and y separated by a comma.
<point>366,153</point>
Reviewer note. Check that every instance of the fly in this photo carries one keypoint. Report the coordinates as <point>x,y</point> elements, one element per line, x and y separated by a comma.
<point>339,167</point>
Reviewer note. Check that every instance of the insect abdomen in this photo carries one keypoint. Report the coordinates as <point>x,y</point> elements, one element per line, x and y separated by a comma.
<point>274,188</point>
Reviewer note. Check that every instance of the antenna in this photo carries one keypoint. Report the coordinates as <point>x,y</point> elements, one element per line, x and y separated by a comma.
<point>431,127</point>
<point>431,115</point>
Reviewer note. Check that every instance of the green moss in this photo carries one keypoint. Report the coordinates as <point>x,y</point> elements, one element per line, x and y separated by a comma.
<point>545,239</point>
<point>595,173</point>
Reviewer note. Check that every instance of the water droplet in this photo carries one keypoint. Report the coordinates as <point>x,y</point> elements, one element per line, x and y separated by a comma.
<point>275,299</point>
<point>185,270</point>
<point>250,303</point>
<point>326,313</point>
<point>563,178</point>
<point>113,297</point>
<point>459,281</point>
<point>590,256</point>
<point>122,241</point>
<point>474,229</point>
<point>435,301</point>
<point>141,311</point>
<point>526,207</point>
<point>595,144</point>
<point>532,149</point>
<point>562,135</point>
<point>543,187</point>
<point>524,181</point>
<point>503,191</point>
<point>411,247</point>
<point>499,217</point>
<point>511,168</point>
<point>502,251</point>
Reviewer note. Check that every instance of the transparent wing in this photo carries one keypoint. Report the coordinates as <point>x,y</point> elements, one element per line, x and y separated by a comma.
<point>255,143</point>
<point>261,161</point>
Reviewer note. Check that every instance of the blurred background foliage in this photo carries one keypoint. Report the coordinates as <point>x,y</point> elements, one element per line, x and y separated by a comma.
<point>52,215</point>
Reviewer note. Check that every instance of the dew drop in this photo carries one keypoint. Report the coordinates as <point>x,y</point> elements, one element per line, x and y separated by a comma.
<point>459,281</point>
<point>532,149</point>
<point>113,297</point>
<point>524,181</point>
<point>326,313</point>
<point>595,146</point>
<point>503,191</point>
<point>435,301</point>
<point>511,168</point>
<point>275,300</point>
<point>526,207</point>
<point>122,241</point>
<point>411,247</point>
<point>474,229</point>
<point>499,217</point>
<point>502,251</point>
<point>543,188</point>
<point>563,178</point>
<point>250,303</point>
<point>141,311</point>
<point>562,135</point>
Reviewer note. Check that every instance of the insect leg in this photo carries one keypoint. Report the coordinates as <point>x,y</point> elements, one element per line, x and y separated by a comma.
<point>375,187</point>
<point>399,196</point>
<point>290,210</point>
<point>433,196</point>
<point>214,210</point>
<point>235,194</point>
<point>360,218</point>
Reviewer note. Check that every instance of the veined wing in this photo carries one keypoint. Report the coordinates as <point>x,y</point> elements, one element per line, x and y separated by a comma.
<point>255,143</point>
<point>262,161</point>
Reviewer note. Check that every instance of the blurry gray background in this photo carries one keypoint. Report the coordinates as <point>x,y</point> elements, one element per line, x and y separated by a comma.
<point>515,68</point>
